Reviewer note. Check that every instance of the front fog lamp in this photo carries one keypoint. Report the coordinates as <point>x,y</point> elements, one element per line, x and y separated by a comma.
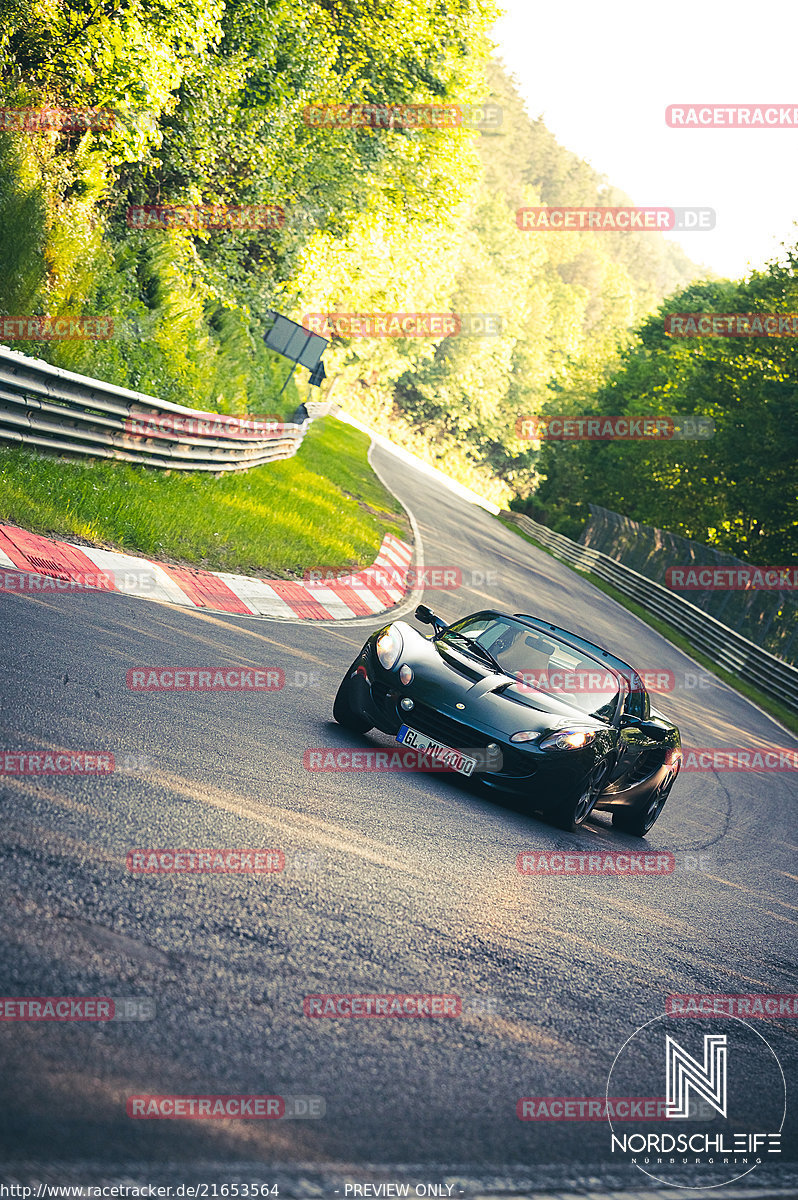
<point>406,674</point>
<point>389,647</point>
<point>568,739</point>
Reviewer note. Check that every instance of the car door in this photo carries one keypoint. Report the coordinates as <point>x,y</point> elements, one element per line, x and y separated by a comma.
<point>633,743</point>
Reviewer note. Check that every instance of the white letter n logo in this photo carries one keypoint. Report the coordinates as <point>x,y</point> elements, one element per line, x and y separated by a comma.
<point>683,1072</point>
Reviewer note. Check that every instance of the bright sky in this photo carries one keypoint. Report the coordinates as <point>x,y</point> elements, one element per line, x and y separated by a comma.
<point>602,75</point>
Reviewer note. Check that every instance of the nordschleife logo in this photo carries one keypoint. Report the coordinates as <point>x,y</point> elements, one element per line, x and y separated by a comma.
<point>724,1101</point>
<point>684,1074</point>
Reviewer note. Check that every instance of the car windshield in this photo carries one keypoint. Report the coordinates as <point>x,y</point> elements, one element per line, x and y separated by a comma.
<point>540,663</point>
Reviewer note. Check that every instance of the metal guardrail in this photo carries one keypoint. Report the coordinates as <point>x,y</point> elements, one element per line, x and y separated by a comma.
<point>768,618</point>
<point>720,643</point>
<point>52,409</point>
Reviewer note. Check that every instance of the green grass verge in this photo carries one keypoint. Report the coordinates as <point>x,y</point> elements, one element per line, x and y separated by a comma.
<point>323,507</point>
<point>785,715</point>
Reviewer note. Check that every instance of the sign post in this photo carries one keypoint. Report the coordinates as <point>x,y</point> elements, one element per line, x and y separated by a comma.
<point>300,345</point>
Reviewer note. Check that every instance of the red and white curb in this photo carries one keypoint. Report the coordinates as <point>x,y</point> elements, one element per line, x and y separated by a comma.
<point>61,566</point>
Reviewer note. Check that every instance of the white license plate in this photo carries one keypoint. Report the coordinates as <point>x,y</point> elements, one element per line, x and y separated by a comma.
<point>445,754</point>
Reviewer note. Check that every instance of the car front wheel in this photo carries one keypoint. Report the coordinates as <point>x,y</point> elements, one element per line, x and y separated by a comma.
<point>345,711</point>
<point>638,819</point>
<point>572,813</point>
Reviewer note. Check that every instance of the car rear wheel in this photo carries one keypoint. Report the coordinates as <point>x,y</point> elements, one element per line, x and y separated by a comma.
<point>573,813</point>
<point>640,817</point>
<point>345,711</point>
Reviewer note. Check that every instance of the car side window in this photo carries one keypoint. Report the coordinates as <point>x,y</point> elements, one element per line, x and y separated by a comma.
<point>475,629</point>
<point>491,633</point>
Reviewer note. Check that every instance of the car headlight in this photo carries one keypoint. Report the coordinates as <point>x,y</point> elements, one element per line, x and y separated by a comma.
<point>389,647</point>
<point>567,739</point>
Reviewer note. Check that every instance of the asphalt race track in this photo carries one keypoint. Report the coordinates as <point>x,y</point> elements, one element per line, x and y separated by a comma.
<point>394,882</point>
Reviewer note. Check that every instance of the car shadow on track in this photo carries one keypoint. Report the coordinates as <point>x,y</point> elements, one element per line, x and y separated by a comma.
<point>598,828</point>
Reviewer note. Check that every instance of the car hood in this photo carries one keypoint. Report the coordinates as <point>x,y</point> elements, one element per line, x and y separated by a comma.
<point>444,677</point>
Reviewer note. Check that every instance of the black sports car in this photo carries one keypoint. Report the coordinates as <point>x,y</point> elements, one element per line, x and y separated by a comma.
<point>524,706</point>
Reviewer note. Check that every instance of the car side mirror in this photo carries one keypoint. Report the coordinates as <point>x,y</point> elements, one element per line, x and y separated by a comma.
<point>427,617</point>
<point>650,729</point>
<point>655,731</point>
<point>628,720</point>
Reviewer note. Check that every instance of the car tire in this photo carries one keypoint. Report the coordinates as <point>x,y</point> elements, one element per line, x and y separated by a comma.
<point>344,712</point>
<point>639,818</point>
<point>573,813</point>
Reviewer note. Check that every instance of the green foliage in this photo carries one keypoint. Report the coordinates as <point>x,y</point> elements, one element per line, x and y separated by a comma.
<point>736,491</point>
<point>325,506</point>
<point>567,302</point>
<point>211,102</point>
<point>23,210</point>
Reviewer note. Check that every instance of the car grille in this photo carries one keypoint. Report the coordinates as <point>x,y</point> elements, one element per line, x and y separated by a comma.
<point>445,729</point>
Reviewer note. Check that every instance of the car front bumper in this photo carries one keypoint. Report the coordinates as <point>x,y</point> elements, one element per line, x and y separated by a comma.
<point>537,775</point>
